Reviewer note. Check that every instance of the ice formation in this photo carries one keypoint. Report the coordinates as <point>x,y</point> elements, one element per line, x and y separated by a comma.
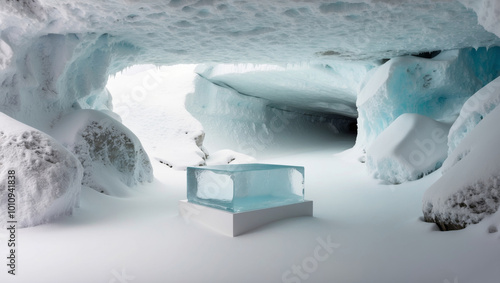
<point>48,177</point>
<point>409,148</point>
<point>469,188</point>
<point>436,88</point>
<point>244,187</point>
<point>107,150</point>
<point>322,88</point>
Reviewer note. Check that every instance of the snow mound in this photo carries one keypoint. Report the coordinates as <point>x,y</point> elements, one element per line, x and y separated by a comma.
<point>48,177</point>
<point>469,189</point>
<point>411,147</point>
<point>473,111</point>
<point>436,88</point>
<point>109,152</point>
<point>227,156</point>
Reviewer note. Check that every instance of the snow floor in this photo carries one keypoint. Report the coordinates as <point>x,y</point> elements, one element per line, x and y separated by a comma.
<point>376,231</point>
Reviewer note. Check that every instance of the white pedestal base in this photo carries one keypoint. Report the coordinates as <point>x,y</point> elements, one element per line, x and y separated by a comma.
<point>234,224</point>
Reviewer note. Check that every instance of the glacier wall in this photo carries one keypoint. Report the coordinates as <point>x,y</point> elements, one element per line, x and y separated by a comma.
<point>328,88</point>
<point>436,88</point>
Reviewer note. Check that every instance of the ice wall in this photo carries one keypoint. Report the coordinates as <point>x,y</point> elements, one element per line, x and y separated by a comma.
<point>436,88</point>
<point>252,125</point>
<point>329,88</point>
<point>408,149</point>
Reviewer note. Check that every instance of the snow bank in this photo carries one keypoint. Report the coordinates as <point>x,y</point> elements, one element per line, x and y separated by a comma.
<point>436,88</point>
<point>473,111</point>
<point>109,152</point>
<point>411,147</point>
<point>469,189</point>
<point>48,177</point>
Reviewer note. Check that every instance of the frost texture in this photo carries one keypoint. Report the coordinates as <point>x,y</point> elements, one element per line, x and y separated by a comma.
<point>106,149</point>
<point>469,189</point>
<point>410,148</point>
<point>473,111</point>
<point>48,177</point>
<point>436,88</point>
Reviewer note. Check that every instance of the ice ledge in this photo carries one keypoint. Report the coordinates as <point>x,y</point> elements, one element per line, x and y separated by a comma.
<point>234,224</point>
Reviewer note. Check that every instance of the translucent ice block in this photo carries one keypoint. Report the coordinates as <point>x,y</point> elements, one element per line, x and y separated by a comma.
<point>244,187</point>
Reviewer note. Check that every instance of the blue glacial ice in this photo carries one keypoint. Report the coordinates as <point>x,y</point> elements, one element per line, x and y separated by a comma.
<point>245,187</point>
<point>436,88</point>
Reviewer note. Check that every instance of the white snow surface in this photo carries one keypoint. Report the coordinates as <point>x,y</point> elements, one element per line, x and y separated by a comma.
<point>469,188</point>
<point>410,148</point>
<point>47,177</point>
<point>436,88</point>
<point>375,232</point>
<point>473,111</point>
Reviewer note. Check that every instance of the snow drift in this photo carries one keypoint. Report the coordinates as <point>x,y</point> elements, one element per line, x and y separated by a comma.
<point>48,177</point>
<point>410,148</point>
<point>469,189</point>
<point>473,111</point>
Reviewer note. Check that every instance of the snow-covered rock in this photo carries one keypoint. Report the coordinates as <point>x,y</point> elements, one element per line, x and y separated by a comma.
<point>469,188</point>
<point>47,176</point>
<point>109,152</point>
<point>436,88</point>
<point>411,147</point>
<point>473,111</point>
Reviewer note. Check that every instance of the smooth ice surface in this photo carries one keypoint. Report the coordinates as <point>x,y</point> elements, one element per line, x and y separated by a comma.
<point>244,187</point>
<point>410,148</point>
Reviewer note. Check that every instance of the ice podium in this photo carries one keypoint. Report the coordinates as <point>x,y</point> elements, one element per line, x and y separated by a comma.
<point>236,198</point>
